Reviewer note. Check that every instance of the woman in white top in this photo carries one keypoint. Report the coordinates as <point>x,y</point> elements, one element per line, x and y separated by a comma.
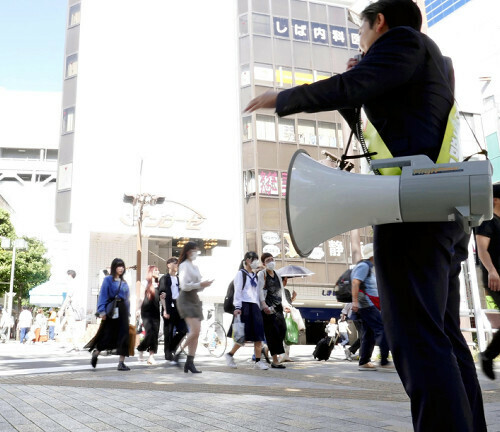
<point>331,329</point>
<point>247,306</point>
<point>189,304</point>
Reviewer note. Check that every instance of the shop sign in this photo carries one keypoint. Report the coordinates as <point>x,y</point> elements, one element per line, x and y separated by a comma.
<point>272,249</point>
<point>270,237</point>
<point>300,30</point>
<point>317,253</point>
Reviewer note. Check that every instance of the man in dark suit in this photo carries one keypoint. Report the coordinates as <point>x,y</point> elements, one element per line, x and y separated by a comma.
<point>174,327</point>
<point>403,83</point>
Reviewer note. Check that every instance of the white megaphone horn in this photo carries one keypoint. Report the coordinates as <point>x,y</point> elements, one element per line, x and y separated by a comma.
<point>323,202</point>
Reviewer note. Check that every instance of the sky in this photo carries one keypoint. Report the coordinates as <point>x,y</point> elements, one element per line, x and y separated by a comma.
<point>32,34</point>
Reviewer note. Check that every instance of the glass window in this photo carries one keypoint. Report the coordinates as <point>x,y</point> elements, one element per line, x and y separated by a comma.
<point>307,132</point>
<point>263,74</point>
<point>282,52</point>
<point>318,76</point>
<point>74,15</point>
<point>263,49</point>
<point>303,76</point>
<point>284,77</point>
<point>249,182</point>
<point>244,50</point>
<point>71,65</point>
<point>268,183</point>
<point>265,128</point>
<point>340,136</point>
<point>245,75</point>
<point>243,7</point>
<point>261,24</point>
<point>68,120</point>
<point>326,134</point>
<point>286,129</point>
<point>51,154</point>
<point>243,25</point>
<point>247,128</point>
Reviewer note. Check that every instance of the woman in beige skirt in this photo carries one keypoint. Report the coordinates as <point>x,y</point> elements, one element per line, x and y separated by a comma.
<point>189,304</point>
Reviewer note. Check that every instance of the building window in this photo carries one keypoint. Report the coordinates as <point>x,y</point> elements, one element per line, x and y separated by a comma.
<point>265,128</point>
<point>71,65</point>
<point>307,132</point>
<point>340,136</point>
<point>261,24</point>
<point>326,134</point>
<point>245,76</point>
<point>286,130</point>
<point>263,74</point>
<point>318,76</point>
<point>303,76</point>
<point>247,128</point>
<point>268,183</point>
<point>284,77</point>
<point>243,25</point>
<point>68,120</point>
<point>249,182</point>
<point>74,15</point>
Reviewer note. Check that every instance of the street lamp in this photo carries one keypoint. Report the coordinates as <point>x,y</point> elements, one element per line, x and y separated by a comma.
<point>18,244</point>
<point>141,200</point>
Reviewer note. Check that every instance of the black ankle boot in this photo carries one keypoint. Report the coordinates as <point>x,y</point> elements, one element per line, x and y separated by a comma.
<point>189,365</point>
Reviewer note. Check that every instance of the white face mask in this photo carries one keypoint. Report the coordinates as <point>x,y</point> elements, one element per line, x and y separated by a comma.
<point>254,264</point>
<point>271,265</point>
<point>193,255</point>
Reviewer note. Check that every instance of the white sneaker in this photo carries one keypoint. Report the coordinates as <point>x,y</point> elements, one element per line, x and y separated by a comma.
<point>141,355</point>
<point>348,354</point>
<point>230,361</point>
<point>260,366</point>
<point>151,360</point>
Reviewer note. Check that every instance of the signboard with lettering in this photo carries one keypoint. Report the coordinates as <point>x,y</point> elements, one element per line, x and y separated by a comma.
<point>300,30</point>
<point>354,38</point>
<point>338,36</point>
<point>281,27</point>
<point>268,183</point>
<point>319,33</point>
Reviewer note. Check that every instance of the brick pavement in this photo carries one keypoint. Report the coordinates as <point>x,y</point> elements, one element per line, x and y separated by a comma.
<point>307,396</point>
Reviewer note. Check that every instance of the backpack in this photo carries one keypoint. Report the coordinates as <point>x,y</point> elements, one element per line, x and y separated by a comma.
<point>228,300</point>
<point>343,286</point>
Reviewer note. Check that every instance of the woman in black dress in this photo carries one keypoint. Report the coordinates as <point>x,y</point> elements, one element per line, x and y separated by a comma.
<point>150,314</point>
<point>113,331</point>
<point>273,303</point>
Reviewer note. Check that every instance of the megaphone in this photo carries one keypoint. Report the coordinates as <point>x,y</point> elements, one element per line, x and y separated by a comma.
<point>323,202</point>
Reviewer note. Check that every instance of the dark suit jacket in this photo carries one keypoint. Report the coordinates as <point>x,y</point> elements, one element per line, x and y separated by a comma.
<point>166,287</point>
<point>403,83</point>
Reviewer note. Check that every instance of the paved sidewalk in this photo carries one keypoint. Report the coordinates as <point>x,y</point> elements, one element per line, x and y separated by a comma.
<point>307,396</point>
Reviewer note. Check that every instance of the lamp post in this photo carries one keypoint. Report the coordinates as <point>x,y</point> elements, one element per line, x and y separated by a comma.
<point>141,200</point>
<point>18,244</point>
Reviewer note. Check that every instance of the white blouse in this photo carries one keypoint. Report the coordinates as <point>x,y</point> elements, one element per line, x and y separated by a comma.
<point>189,276</point>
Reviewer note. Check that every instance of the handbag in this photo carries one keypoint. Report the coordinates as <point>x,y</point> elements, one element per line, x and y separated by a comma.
<point>239,331</point>
<point>297,317</point>
<point>292,330</point>
<point>112,307</point>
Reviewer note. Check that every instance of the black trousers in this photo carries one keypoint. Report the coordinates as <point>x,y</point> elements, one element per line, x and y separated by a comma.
<point>174,329</point>
<point>275,331</point>
<point>357,343</point>
<point>417,267</point>
<point>493,349</point>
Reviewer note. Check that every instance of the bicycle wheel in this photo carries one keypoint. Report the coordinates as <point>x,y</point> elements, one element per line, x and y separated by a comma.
<point>216,338</point>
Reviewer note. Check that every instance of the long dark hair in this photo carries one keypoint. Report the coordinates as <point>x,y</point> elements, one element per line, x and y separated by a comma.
<point>249,255</point>
<point>188,247</point>
<point>150,289</point>
<point>117,262</point>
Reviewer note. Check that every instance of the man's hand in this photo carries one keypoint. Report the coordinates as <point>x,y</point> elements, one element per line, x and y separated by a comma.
<point>166,315</point>
<point>163,295</point>
<point>351,63</point>
<point>237,312</point>
<point>287,310</point>
<point>355,306</point>
<point>494,281</point>
<point>205,284</point>
<point>266,100</point>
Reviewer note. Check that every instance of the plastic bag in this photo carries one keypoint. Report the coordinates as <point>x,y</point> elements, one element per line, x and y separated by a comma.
<point>297,317</point>
<point>238,331</point>
<point>292,330</point>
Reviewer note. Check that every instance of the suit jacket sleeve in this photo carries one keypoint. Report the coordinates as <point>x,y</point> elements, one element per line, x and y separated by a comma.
<point>391,61</point>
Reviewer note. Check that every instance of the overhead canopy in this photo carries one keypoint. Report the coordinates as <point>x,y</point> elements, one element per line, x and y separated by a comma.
<point>48,294</point>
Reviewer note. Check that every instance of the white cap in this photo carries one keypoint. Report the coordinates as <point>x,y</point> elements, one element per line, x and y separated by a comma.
<point>367,251</point>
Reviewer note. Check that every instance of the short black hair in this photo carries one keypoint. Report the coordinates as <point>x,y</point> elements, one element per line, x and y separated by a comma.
<point>172,260</point>
<point>396,12</point>
<point>265,256</point>
<point>71,273</point>
<point>117,262</point>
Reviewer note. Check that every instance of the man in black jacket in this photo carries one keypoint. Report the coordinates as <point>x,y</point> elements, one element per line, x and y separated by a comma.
<point>403,83</point>
<point>169,291</point>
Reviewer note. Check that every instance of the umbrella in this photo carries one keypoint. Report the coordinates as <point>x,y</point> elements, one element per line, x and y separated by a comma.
<point>293,271</point>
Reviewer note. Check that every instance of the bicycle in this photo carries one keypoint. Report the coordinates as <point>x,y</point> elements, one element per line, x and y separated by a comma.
<point>212,336</point>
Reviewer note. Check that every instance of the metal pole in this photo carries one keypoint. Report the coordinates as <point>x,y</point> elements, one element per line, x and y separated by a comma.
<point>139,252</point>
<point>11,290</point>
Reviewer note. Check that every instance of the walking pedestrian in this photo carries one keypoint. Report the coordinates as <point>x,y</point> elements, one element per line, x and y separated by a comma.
<point>149,306</point>
<point>189,304</point>
<point>344,331</point>
<point>113,333</point>
<point>40,326</point>
<point>174,327</point>
<point>364,301</point>
<point>358,324</point>
<point>488,247</point>
<point>72,316</point>
<point>273,304</point>
<point>332,331</point>
<point>247,306</point>
<point>25,319</point>
<point>52,323</point>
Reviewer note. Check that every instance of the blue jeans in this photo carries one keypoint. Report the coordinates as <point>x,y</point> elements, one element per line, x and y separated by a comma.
<point>52,331</point>
<point>23,333</point>
<point>417,267</point>
<point>345,338</point>
<point>372,334</point>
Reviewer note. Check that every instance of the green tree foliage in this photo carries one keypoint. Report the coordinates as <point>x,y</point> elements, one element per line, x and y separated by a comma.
<point>32,267</point>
